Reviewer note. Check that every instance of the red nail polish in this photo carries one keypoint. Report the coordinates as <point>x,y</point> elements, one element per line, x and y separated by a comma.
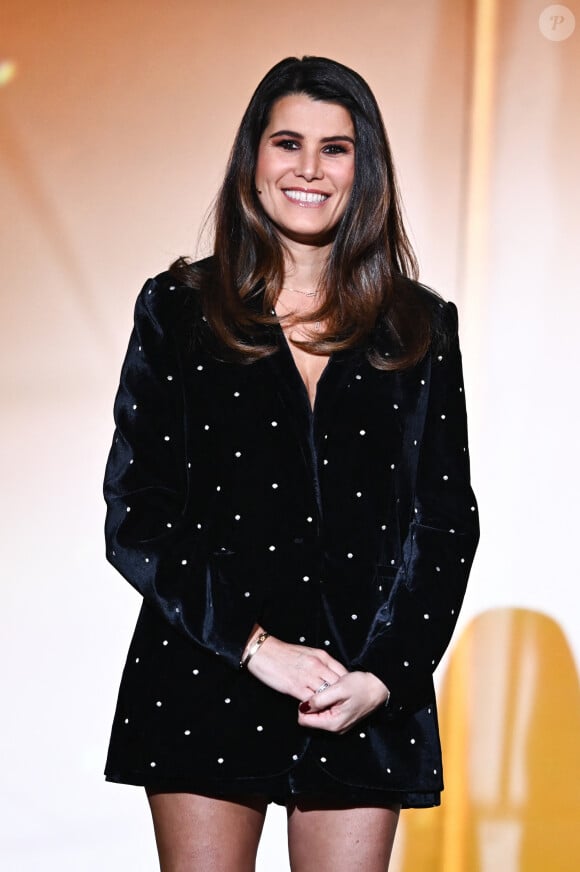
<point>304,707</point>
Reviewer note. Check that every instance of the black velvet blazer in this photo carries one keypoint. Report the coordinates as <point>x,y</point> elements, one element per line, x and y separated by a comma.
<point>351,528</point>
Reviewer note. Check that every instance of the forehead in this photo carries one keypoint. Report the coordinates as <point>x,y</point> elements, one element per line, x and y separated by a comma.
<point>301,114</point>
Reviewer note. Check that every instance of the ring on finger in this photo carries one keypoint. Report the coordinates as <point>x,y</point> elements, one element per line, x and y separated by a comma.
<point>322,687</point>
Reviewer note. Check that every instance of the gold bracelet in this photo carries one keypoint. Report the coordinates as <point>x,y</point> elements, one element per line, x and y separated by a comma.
<point>255,646</point>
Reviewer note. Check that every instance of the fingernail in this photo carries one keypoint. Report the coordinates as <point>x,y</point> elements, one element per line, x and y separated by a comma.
<point>304,707</point>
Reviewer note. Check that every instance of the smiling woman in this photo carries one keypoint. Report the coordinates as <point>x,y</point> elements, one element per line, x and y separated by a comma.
<point>351,274</point>
<point>305,168</point>
<point>288,487</point>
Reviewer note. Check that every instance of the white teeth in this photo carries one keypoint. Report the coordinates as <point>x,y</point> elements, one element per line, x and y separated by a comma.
<point>306,196</point>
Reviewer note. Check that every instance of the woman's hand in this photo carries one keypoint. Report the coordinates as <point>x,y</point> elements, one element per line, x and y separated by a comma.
<point>294,669</point>
<point>336,709</point>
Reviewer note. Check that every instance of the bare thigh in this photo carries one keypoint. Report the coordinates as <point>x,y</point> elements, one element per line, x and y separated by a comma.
<point>341,839</point>
<point>199,834</point>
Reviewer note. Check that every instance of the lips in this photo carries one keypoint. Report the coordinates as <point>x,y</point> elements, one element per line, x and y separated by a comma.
<point>305,198</point>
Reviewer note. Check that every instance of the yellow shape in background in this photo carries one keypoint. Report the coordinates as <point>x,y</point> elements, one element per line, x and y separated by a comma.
<point>510,727</point>
<point>7,72</point>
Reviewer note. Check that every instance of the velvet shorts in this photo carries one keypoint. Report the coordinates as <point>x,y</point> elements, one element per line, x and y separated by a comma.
<point>305,782</point>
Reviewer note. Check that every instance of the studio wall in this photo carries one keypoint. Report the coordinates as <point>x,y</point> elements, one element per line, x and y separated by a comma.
<point>116,119</point>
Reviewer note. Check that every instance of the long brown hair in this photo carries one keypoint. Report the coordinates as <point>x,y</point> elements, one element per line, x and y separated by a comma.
<point>370,251</point>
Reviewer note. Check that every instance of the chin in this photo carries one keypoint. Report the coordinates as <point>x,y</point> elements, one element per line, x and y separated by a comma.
<point>309,235</point>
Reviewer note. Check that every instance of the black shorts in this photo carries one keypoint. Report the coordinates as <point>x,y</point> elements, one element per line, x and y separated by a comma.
<point>305,782</point>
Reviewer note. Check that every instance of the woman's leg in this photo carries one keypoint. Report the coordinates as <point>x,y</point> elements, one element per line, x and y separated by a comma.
<point>199,834</point>
<point>341,839</point>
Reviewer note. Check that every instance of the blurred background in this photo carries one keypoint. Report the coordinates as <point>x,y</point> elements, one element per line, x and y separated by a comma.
<point>116,119</point>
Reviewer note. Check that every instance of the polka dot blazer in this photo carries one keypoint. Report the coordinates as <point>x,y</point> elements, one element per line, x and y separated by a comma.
<point>351,527</point>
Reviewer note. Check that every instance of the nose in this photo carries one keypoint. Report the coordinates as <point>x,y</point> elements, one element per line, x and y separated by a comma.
<point>309,165</point>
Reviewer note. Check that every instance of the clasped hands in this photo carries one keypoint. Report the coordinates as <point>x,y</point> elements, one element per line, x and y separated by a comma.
<point>303,672</point>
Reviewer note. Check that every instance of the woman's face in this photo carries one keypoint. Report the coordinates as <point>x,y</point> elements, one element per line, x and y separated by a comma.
<point>305,168</point>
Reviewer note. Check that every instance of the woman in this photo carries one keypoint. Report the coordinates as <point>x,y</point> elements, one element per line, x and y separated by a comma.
<point>288,488</point>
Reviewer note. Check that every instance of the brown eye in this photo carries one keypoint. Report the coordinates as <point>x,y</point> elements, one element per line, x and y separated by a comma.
<point>335,149</point>
<point>287,144</point>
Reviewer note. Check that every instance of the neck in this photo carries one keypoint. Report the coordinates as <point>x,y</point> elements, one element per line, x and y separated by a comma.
<point>303,266</point>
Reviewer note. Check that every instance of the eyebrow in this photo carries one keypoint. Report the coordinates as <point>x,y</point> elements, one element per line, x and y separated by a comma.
<point>293,133</point>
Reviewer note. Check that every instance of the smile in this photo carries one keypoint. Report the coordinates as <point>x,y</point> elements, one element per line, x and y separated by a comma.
<point>306,198</point>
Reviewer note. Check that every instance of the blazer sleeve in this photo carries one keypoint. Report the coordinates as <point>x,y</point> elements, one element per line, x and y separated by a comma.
<point>151,538</point>
<point>411,631</point>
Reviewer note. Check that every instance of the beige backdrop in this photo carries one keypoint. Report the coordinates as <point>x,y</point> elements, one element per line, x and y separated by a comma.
<point>116,119</point>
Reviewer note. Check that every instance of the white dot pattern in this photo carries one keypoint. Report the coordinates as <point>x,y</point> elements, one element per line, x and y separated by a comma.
<point>289,535</point>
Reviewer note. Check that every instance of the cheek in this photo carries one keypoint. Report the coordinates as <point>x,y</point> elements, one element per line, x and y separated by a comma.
<point>265,166</point>
<point>343,180</point>
<point>349,179</point>
<point>345,184</point>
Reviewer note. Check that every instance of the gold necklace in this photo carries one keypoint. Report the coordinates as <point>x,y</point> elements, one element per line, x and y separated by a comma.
<point>298,291</point>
